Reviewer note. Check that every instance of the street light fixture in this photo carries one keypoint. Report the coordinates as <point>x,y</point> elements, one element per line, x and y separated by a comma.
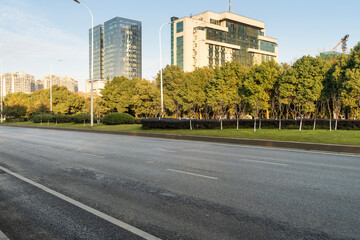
<point>92,62</point>
<point>51,73</point>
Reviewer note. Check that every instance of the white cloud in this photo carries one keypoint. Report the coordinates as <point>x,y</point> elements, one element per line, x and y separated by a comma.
<point>30,43</point>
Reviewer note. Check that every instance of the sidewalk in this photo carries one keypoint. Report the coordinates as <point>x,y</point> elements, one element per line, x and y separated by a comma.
<point>241,141</point>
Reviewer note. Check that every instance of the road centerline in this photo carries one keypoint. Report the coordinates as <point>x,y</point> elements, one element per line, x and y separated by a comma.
<point>164,150</point>
<point>92,155</point>
<point>263,162</point>
<point>192,174</point>
<point>91,210</point>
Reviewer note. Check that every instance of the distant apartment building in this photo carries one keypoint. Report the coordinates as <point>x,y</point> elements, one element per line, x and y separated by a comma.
<point>117,49</point>
<point>211,39</point>
<point>39,84</point>
<point>17,82</point>
<point>71,84</point>
<point>99,85</point>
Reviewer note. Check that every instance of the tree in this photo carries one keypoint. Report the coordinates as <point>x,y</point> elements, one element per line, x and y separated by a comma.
<point>334,86</point>
<point>15,111</point>
<point>301,85</point>
<point>173,78</point>
<point>194,98</point>
<point>258,86</point>
<point>351,84</point>
<point>117,94</point>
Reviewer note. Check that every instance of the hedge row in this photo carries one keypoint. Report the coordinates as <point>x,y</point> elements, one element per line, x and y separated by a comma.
<point>110,119</point>
<point>118,118</point>
<point>61,118</point>
<point>155,123</point>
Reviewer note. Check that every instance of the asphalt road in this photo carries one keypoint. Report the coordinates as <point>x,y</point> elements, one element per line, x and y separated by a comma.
<point>171,189</point>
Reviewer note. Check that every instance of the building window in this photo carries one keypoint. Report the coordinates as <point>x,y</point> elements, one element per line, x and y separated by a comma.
<point>267,46</point>
<point>216,22</point>
<point>180,52</point>
<point>179,27</point>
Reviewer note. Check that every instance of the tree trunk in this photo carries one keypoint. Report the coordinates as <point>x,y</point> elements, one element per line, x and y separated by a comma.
<point>254,124</point>
<point>336,123</point>
<point>237,121</point>
<point>190,125</point>
<point>279,123</point>
<point>301,119</point>
<point>314,124</point>
<point>260,123</point>
<point>221,125</point>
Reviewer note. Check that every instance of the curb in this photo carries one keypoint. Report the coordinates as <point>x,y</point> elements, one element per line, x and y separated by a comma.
<point>241,141</point>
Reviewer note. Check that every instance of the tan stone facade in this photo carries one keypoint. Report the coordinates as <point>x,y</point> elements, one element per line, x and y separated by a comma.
<point>211,39</point>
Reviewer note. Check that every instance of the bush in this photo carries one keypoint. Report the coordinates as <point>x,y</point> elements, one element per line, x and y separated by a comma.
<point>43,118</point>
<point>62,118</point>
<point>81,118</point>
<point>118,118</point>
<point>15,120</point>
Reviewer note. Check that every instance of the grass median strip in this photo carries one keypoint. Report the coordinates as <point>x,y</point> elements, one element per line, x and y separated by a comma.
<point>339,137</point>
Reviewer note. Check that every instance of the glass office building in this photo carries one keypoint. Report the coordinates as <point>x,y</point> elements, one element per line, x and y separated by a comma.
<point>121,49</point>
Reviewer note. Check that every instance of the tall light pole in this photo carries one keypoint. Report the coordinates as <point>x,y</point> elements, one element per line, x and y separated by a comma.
<point>161,72</point>
<point>51,73</point>
<point>92,62</point>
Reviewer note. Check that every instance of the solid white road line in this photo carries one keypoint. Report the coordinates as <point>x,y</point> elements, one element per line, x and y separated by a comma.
<point>193,174</point>
<point>3,236</point>
<point>163,150</point>
<point>93,155</point>
<point>93,211</point>
<point>271,163</point>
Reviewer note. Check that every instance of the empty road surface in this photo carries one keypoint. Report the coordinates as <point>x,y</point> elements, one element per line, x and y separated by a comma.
<point>71,185</point>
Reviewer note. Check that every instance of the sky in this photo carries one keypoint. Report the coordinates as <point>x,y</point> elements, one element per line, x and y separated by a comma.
<point>36,33</point>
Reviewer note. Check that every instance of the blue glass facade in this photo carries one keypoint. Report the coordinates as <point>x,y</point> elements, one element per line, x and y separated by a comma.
<point>121,49</point>
<point>98,52</point>
<point>180,52</point>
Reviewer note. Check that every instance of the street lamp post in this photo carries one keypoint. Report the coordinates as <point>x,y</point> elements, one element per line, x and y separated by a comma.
<point>161,72</point>
<point>92,62</point>
<point>51,72</point>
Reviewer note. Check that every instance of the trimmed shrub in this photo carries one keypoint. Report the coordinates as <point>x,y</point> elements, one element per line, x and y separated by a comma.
<point>118,118</point>
<point>168,123</point>
<point>43,118</point>
<point>81,118</point>
<point>137,121</point>
<point>62,118</point>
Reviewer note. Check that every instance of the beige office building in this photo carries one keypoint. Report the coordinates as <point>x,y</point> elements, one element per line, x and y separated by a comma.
<point>17,82</point>
<point>211,39</point>
<point>98,85</point>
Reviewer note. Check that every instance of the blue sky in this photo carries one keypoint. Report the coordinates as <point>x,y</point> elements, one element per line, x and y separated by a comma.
<point>34,33</point>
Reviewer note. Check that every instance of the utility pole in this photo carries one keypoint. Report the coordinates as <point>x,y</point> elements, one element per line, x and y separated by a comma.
<point>229,5</point>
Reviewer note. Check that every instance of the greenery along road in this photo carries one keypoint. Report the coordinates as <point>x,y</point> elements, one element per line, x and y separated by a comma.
<point>341,137</point>
<point>311,87</point>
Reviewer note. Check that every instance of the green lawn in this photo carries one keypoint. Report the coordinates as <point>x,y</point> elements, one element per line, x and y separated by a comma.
<point>344,137</point>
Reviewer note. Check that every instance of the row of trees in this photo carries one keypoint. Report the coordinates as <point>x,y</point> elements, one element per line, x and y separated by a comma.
<point>311,87</point>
